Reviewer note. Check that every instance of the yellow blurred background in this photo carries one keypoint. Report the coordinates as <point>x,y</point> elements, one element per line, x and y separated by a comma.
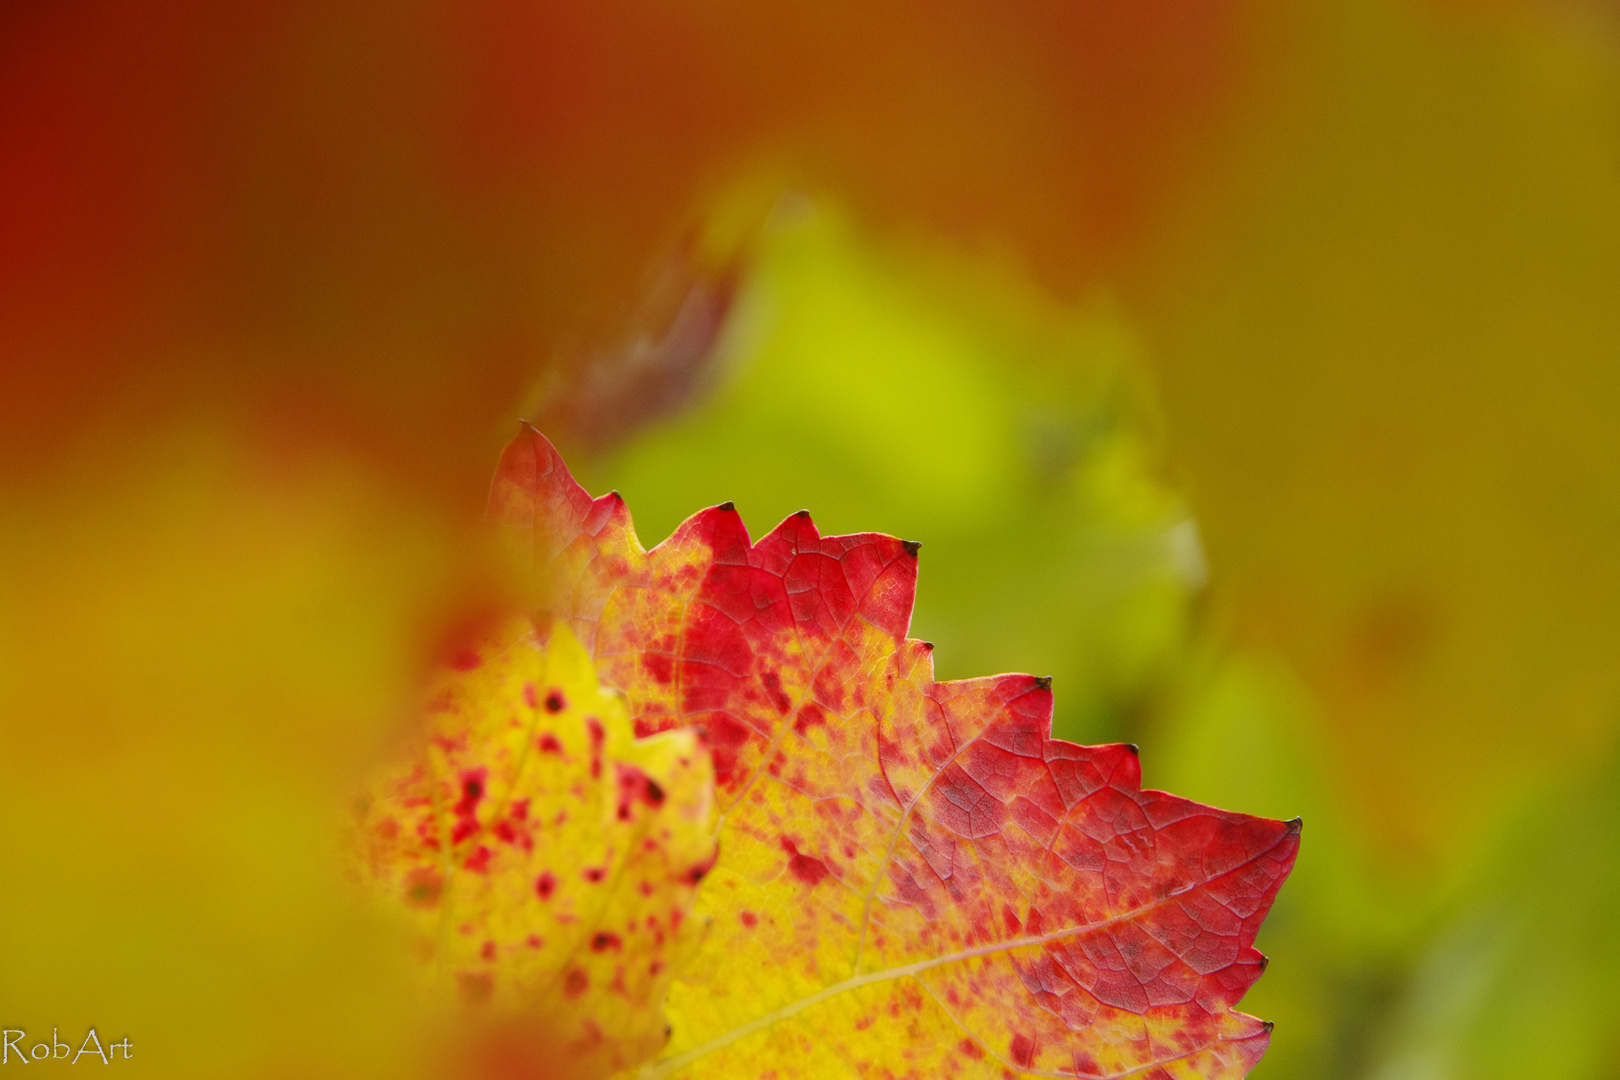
<point>1251,368</point>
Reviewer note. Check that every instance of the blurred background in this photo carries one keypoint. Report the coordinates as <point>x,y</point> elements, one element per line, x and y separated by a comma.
<point>1251,368</point>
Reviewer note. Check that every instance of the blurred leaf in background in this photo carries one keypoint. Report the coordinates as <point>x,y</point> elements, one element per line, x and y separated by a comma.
<point>892,389</point>
<point>1521,981</point>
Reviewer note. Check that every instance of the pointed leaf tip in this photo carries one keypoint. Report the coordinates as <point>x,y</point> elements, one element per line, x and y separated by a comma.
<point>1043,682</point>
<point>728,507</point>
<point>1134,749</point>
<point>911,546</point>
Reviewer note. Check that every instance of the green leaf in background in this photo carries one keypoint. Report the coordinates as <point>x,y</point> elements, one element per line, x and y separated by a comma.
<point>1520,981</point>
<point>884,389</point>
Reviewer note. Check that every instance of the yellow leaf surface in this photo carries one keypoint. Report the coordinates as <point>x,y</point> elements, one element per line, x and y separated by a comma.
<point>543,858</point>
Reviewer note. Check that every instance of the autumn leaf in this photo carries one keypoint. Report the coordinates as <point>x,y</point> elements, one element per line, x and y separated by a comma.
<point>914,878</point>
<point>544,858</point>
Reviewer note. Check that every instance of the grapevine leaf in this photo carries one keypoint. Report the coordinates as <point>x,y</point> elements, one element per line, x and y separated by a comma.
<point>914,878</point>
<point>545,859</point>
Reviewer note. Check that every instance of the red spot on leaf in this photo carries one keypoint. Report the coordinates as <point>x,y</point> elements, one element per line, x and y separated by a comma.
<point>636,786</point>
<point>555,702</point>
<point>810,715</point>
<point>749,918</point>
<point>594,726</point>
<point>1022,1050</point>
<point>725,737</point>
<point>545,885</point>
<point>549,744</point>
<point>594,874</point>
<point>806,869</point>
<point>466,809</point>
<point>604,941</point>
<point>478,861</point>
<point>576,982</point>
<point>661,666</point>
<point>970,1049</point>
<point>465,659</point>
<point>696,873</point>
<point>488,951</point>
<point>771,682</point>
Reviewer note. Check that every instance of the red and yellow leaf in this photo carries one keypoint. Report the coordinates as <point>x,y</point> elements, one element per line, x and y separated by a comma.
<point>545,858</point>
<point>914,879</point>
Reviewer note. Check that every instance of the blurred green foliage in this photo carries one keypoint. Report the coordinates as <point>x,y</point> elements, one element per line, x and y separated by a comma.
<point>888,391</point>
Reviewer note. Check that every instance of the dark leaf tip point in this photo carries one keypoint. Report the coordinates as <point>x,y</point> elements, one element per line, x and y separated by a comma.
<point>911,547</point>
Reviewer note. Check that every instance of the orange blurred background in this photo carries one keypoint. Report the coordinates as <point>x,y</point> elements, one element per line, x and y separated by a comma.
<point>376,220</point>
